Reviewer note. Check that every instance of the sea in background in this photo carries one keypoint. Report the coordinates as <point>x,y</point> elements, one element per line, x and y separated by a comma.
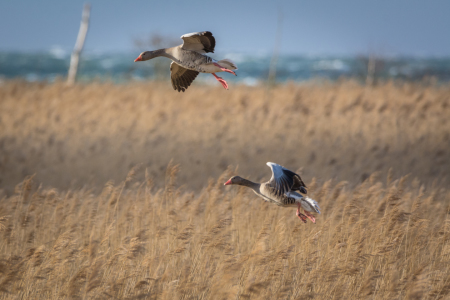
<point>119,67</point>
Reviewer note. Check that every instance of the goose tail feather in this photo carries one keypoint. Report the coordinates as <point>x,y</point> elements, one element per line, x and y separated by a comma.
<point>228,64</point>
<point>313,203</point>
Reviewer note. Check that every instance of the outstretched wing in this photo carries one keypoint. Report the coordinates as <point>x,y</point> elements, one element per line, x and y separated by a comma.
<point>284,180</point>
<point>181,78</point>
<point>201,42</point>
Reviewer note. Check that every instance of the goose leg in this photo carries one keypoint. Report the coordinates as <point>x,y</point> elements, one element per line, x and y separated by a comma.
<point>300,215</point>
<point>310,216</point>
<point>223,82</point>
<point>224,70</point>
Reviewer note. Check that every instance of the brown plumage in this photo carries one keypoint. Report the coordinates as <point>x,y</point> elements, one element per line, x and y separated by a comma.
<point>180,77</point>
<point>199,41</point>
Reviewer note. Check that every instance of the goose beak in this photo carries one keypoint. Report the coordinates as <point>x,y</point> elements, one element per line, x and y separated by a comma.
<point>228,182</point>
<point>138,59</point>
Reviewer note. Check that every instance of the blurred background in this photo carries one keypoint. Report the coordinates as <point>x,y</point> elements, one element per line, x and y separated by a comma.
<point>310,39</point>
<point>356,87</point>
<point>111,185</point>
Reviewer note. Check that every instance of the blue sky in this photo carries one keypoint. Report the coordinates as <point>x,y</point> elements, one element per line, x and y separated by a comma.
<point>399,27</point>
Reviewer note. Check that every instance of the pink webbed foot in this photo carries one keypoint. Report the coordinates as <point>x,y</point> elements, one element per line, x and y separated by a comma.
<point>310,216</point>
<point>300,215</point>
<point>223,82</point>
<point>225,70</point>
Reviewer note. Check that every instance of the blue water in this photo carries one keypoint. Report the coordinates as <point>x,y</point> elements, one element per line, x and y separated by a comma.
<point>120,67</point>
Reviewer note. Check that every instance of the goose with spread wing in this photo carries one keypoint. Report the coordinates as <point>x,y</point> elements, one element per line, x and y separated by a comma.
<point>283,190</point>
<point>189,60</point>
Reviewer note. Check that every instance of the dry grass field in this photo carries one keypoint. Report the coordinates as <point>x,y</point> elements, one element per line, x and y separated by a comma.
<point>123,196</point>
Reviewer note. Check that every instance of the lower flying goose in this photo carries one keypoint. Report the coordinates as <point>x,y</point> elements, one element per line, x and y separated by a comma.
<point>189,60</point>
<point>281,190</point>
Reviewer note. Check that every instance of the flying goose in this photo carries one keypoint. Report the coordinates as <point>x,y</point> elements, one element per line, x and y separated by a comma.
<point>281,190</point>
<point>189,60</point>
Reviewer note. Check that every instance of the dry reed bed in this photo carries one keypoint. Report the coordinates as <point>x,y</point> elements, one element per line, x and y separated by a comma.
<point>383,239</point>
<point>89,134</point>
<point>151,238</point>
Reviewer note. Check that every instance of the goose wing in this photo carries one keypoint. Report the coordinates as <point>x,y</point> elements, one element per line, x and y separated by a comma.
<point>284,180</point>
<point>181,77</point>
<point>201,42</point>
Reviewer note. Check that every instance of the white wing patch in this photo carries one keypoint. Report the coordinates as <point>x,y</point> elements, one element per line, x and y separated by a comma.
<point>278,178</point>
<point>276,170</point>
<point>294,195</point>
<point>282,179</point>
<point>189,34</point>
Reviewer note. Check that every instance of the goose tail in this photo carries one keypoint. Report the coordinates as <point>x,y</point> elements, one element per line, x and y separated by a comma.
<point>313,203</point>
<point>228,64</point>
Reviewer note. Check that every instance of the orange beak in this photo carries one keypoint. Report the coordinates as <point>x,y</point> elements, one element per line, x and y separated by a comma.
<point>138,59</point>
<point>228,182</point>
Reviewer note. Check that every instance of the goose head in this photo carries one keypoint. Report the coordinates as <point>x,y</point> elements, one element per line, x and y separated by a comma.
<point>235,180</point>
<point>146,55</point>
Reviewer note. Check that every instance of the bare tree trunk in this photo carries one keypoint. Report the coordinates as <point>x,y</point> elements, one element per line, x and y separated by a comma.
<point>75,58</point>
<point>371,64</point>
<point>273,62</point>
